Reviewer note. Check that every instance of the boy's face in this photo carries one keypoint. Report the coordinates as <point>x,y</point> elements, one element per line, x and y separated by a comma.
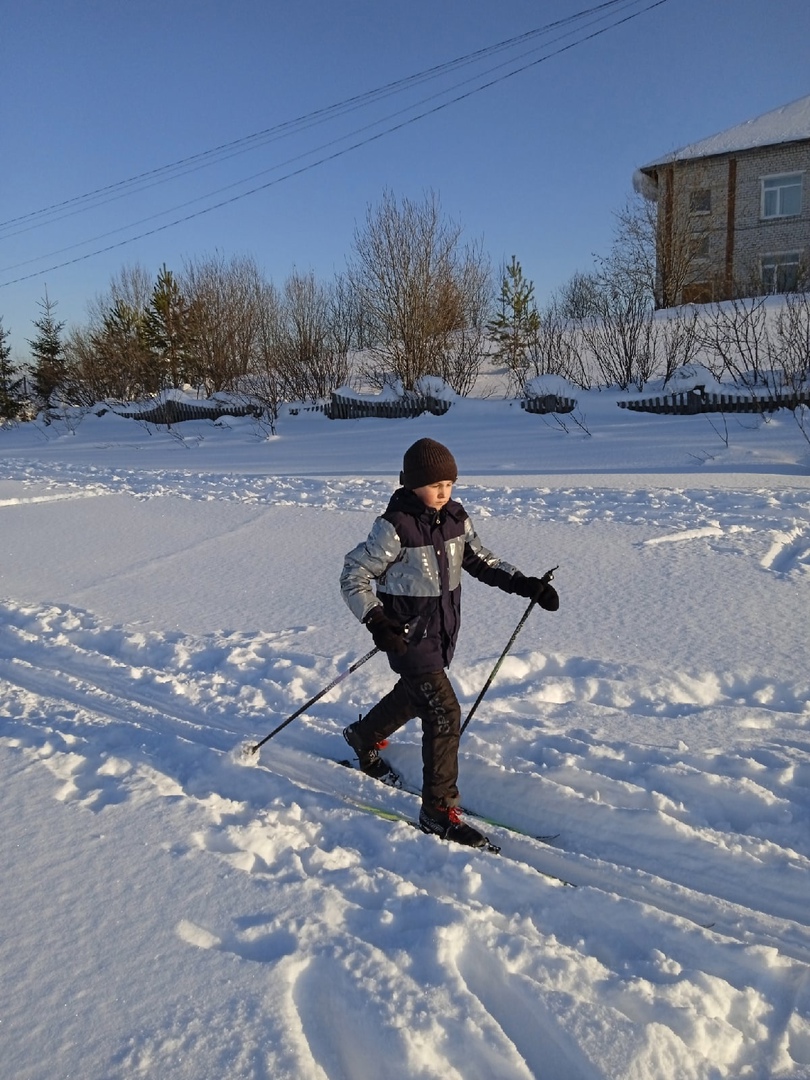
<point>435,495</point>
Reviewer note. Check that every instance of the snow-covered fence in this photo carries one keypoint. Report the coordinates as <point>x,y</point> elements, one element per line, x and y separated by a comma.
<point>548,403</point>
<point>175,412</point>
<point>697,400</point>
<point>353,407</point>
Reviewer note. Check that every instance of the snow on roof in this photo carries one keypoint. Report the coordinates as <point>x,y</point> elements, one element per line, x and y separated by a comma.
<point>789,123</point>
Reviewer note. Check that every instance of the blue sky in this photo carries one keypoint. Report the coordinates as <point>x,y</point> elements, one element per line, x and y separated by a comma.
<point>93,92</point>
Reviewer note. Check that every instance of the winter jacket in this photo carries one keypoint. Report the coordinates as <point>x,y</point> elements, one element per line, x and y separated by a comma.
<point>414,555</point>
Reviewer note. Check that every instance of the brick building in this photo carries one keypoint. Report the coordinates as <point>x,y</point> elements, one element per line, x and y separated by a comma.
<point>733,210</point>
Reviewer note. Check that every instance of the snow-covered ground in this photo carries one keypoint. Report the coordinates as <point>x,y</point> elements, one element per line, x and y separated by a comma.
<point>171,913</point>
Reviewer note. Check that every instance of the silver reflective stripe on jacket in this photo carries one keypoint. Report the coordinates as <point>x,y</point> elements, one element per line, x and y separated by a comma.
<point>404,571</point>
<point>366,563</point>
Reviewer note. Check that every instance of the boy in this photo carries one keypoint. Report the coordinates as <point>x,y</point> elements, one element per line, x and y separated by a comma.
<point>414,554</point>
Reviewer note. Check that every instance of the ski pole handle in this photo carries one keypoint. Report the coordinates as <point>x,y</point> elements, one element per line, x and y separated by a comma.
<point>545,580</point>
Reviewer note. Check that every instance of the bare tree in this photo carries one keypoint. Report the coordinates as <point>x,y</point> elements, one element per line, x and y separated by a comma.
<point>736,338</point>
<point>578,298</point>
<point>620,336</point>
<point>225,299</point>
<point>790,353</point>
<point>131,286</point>
<point>418,288</point>
<point>792,348</point>
<point>635,245</point>
<point>109,357</point>
<point>347,322</point>
<point>761,347</point>
<point>467,300</point>
<point>675,341</point>
<point>613,308</point>
<point>264,381</point>
<point>560,348</point>
<point>311,358</point>
<point>666,229</point>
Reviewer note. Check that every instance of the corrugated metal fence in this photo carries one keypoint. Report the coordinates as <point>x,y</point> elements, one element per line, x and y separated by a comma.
<point>698,401</point>
<point>345,407</point>
<point>548,403</point>
<point>340,407</point>
<point>175,412</point>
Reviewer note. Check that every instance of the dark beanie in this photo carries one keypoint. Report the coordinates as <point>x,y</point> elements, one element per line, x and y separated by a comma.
<point>427,462</point>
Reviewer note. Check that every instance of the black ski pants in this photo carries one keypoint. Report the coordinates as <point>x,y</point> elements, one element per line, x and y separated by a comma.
<point>432,698</point>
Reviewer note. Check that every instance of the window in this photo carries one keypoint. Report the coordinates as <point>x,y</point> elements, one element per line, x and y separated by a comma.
<point>780,273</point>
<point>700,246</point>
<point>782,195</point>
<point>700,201</point>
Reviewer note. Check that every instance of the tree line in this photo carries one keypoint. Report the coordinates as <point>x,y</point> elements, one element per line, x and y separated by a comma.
<point>415,300</point>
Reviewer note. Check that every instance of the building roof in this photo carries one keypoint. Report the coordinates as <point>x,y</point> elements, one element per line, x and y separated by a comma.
<point>790,123</point>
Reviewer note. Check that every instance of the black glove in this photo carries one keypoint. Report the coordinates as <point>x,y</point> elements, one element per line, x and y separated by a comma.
<point>388,635</point>
<point>533,588</point>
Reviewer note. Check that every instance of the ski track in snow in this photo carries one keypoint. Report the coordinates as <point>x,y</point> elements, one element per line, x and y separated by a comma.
<point>662,836</point>
<point>80,696</point>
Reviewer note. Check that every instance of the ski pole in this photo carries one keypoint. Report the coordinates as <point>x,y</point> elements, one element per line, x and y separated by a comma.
<point>544,580</point>
<point>339,678</point>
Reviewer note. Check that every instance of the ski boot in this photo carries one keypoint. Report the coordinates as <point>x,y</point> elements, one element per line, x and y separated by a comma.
<point>445,821</point>
<point>369,760</point>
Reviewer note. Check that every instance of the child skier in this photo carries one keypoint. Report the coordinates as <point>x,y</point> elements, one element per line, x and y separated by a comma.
<point>414,555</point>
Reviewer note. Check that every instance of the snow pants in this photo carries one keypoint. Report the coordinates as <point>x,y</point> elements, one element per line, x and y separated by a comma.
<point>432,698</point>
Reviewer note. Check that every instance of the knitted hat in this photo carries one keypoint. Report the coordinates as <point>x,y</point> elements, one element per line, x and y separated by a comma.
<point>427,462</point>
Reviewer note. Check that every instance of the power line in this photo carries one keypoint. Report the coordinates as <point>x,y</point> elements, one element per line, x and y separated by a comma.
<point>298,157</point>
<point>620,4</point>
<point>224,151</point>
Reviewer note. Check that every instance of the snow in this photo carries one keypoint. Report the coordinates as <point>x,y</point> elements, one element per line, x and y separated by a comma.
<point>170,911</point>
<point>788,123</point>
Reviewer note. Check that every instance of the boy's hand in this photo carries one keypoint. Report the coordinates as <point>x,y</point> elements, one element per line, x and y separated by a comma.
<point>387,635</point>
<point>533,588</point>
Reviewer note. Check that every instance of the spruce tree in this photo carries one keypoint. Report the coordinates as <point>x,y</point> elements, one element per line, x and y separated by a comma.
<point>166,329</point>
<point>11,401</point>
<point>517,323</point>
<point>49,369</point>
<point>123,365</point>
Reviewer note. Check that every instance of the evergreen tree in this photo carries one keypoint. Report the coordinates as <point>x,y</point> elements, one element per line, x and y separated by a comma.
<point>517,323</point>
<point>120,362</point>
<point>49,373</point>
<point>11,401</point>
<point>167,329</point>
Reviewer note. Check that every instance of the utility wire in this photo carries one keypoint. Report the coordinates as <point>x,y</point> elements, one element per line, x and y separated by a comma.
<point>249,142</point>
<point>298,157</point>
<point>324,159</point>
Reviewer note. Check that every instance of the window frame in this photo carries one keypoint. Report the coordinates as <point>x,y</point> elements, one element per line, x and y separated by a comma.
<point>776,261</point>
<point>697,195</point>
<point>770,185</point>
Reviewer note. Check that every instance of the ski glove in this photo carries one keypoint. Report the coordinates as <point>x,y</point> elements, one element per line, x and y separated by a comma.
<point>532,588</point>
<point>387,635</point>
